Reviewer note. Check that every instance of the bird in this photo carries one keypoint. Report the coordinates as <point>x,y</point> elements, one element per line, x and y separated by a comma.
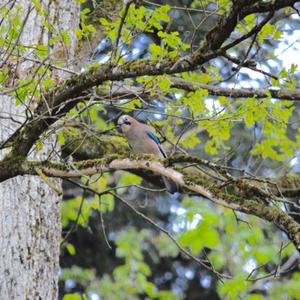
<point>143,140</point>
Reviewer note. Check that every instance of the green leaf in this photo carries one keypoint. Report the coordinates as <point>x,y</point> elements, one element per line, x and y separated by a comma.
<point>128,179</point>
<point>164,83</point>
<point>209,237</point>
<point>190,141</point>
<point>65,37</point>
<point>269,31</point>
<point>164,246</point>
<point>74,296</point>
<point>71,249</point>
<point>107,202</point>
<point>61,138</point>
<point>235,288</point>
<point>195,102</point>
<point>199,238</point>
<point>255,297</point>
<point>42,51</point>
<point>39,145</point>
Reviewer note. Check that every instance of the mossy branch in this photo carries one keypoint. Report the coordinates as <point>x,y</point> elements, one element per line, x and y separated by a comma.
<point>198,185</point>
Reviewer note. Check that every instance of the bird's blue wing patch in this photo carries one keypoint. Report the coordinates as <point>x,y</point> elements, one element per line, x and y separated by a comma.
<point>153,137</point>
<point>157,141</point>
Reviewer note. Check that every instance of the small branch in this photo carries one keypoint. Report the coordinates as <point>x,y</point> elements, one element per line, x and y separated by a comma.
<point>51,66</point>
<point>254,31</point>
<point>121,27</point>
<point>204,263</point>
<point>250,64</point>
<point>293,95</point>
<point>57,189</point>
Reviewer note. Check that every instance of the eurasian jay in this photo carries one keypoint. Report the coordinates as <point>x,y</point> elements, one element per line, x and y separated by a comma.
<point>142,140</point>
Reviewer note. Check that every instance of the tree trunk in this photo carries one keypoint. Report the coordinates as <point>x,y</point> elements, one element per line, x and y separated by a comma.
<point>30,229</point>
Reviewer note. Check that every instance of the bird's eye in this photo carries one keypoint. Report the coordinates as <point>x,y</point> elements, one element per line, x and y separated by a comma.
<point>126,122</point>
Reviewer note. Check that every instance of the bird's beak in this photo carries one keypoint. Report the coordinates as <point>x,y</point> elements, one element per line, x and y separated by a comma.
<point>119,128</point>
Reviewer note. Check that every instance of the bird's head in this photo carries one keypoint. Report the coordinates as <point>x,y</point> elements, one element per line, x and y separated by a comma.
<point>125,122</point>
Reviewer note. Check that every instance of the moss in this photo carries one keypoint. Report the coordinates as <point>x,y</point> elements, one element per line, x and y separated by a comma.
<point>48,165</point>
<point>72,132</point>
<point>12,163</point>
<point>176,159</point>
<point>81,146</point>
<point>10,167</point>
<point>108,9</point>
<point>109,158</point>
<point>92,163</point>
<point>196,179</point>
<point>290,182</point>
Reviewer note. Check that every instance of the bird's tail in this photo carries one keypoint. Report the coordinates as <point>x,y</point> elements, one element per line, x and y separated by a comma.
<point>171,186</point>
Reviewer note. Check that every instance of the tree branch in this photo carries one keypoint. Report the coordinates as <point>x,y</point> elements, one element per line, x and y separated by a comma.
<point>56,103</point>
<point>119,92</point>
<point>241,200</point>
<point>237,93</point>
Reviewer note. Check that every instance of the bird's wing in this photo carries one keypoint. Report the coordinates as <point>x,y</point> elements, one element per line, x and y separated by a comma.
<point>154,138</point>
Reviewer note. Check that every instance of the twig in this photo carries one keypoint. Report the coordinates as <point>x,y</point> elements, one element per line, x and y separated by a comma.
<point>204,263</point>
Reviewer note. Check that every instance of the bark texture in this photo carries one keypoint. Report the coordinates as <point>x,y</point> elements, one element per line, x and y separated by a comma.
<point>29,238</point>
<point>30,229</point>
